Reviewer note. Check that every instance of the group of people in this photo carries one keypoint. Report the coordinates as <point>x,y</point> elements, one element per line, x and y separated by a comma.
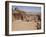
<point>27,17</point>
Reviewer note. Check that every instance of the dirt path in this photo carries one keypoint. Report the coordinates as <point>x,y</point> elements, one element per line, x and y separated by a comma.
<point>22,25</point>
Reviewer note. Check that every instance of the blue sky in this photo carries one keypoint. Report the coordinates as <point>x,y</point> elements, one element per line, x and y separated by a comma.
<point>28,8</point>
